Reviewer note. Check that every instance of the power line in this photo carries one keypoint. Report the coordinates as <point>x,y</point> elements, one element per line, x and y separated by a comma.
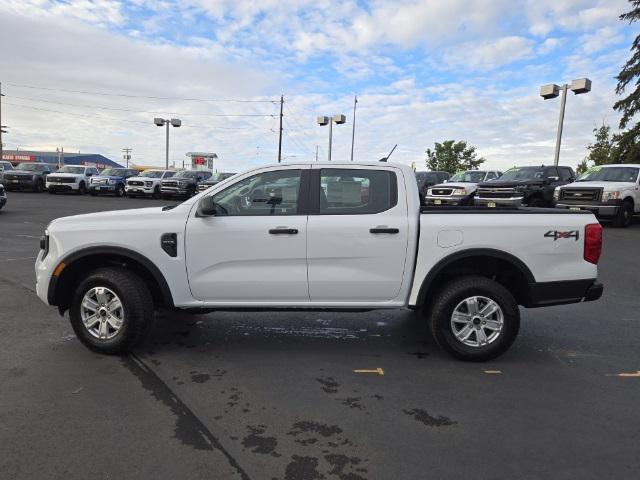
<point>107,94</point>
<point>31,99</point>
<point>122,119</point>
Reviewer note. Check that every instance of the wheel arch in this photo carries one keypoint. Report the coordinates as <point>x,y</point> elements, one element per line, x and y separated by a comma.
<point>61,286</point>
<point>505,268</point>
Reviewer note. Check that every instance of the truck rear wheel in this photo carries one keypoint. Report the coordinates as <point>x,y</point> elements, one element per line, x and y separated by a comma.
<point>111,310</point>
<point>475,318</point>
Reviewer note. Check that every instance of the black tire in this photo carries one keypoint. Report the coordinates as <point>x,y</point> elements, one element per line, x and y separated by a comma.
<point>38,187</point>
<point>624,216</point>
<point>536,202</point>
<point>156,193</point>
<point>119,191</point>
<point>191,192</point>
<point>82,188</point>
<point>92,193</point>
<point>51,192</point>
<point>451,295</point>
<point>137,304</point>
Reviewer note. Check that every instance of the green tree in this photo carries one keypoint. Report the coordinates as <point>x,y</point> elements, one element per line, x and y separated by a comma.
<point>452,156</point>
<point>628,140</point>
<point>604,150</point>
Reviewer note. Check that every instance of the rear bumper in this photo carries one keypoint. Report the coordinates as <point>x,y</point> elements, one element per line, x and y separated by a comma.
<point>545,294</point>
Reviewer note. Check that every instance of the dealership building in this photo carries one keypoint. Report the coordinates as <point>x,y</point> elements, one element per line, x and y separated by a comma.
<point>55,158</point>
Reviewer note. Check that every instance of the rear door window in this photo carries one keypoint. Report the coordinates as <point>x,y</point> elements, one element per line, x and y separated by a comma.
<point>356,191</point>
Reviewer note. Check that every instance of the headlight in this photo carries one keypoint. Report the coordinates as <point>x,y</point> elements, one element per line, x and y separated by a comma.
<point>44,243</point>
<point>459,191</point>
<point>610,196</point>
<point>429,191</point>
<point>556,194</point>
<point>148,184</point>
<point>107,181</point>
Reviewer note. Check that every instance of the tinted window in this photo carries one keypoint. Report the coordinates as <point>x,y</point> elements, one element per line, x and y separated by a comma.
<point>491,175</point>
<point>169,174</point>
<point>268,193</point>
<point>356,191</point>
<point>551,172</point>
<point>610,174</point>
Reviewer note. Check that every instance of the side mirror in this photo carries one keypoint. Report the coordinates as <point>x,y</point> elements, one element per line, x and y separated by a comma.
<point>553,179</point>
<point>206,207</point>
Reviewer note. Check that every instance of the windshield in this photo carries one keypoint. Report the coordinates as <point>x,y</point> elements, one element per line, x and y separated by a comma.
<point>112,172</point>
<point>186,174</point>
<point>6,166</point>
<point>424,177</point>
<point>523,173</point>
<point>468,177</point>
<point>32,167</point>
<point>152,173</point>
<point>610,174</point>
<point>70,169</point>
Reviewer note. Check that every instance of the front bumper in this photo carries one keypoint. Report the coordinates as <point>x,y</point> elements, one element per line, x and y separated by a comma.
<point>175,191</point>
<point>19,183</point>
<point>545,294</point>
<point>448,200</point>
<point>62,187</point>
<point>511,202</point>
<point>138,190</point>
<point>599,210</point>
<point>102,188</point>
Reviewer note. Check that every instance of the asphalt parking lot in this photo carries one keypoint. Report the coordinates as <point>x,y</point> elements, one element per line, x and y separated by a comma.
<point>275,395</point>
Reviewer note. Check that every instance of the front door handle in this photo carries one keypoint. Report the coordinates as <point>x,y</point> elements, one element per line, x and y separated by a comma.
<point>283,231</point>
<point>384,230</point>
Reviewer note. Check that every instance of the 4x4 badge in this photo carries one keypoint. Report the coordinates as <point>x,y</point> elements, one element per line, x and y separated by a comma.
<point>556,234</point>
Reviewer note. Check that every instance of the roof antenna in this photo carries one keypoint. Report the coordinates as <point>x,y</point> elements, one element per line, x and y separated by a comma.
<point>385,159</point>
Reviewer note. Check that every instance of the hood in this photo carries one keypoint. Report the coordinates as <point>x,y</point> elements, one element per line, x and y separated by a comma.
<point>607,186</point>
<point>22,172</point>
<point>467,186</point>
<point>510,183</point>
<point>109,177</point>
<point>210,182</point>
<point>144,179</point>
<point>121,218</point>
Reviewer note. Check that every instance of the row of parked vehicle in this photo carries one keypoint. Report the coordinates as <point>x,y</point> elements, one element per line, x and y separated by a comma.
<point>81,179</point>
<point>611,192</point>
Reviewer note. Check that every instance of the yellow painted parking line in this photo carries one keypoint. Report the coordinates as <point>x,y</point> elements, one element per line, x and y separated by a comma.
<point>378,371</point>
<point>494,372</point>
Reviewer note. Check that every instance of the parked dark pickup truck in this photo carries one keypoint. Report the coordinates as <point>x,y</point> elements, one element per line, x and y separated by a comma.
<point>27,176</point>
<point>527,186</point>
<point>183,184</point>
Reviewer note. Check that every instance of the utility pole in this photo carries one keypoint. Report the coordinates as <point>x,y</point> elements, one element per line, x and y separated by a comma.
<point>316,152</point>
<point>1,126</point>
<point>280,136</point>
<point>353,128</point>
<point>127,155</point>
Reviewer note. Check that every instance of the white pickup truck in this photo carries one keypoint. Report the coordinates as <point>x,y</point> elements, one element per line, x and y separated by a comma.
<point>328,236</point>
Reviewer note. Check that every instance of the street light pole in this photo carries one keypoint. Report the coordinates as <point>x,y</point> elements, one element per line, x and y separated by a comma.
<point>581,85</point>
<point>353,127</point>
<point>563,103</point>
<point>159,122</point>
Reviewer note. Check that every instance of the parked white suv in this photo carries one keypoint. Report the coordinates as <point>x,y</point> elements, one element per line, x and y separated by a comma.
<point>325,235</point>
<point>71,178</point>
<point>459,189</point>
<point>147,183</point>
<point>611,192</point>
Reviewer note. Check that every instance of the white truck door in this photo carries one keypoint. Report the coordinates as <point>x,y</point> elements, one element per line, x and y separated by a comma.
<point>254,248</point>
<point>357,234</point>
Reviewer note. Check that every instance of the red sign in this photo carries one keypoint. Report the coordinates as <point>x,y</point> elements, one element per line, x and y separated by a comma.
<point>199,161</point>
<point>18,158</point>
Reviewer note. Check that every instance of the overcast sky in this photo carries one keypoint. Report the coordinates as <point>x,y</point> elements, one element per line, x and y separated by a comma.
<point>424,71</point>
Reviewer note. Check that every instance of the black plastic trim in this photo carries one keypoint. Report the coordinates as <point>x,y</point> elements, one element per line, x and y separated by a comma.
<point>480,209</point>
<point>473,252</point>
<point>123,252</point>
<point>169,243</point>
<point>545,294</point>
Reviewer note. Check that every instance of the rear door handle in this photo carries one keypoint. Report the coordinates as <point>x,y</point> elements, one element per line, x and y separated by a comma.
<point>283,231</point>
<point>384,230</point>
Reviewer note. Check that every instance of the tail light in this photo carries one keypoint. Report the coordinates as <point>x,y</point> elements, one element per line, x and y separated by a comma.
<point>592,242</point>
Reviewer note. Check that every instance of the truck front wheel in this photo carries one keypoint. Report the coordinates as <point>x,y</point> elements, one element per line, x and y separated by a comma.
<point>111,310</point>
<point>475,318</point>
